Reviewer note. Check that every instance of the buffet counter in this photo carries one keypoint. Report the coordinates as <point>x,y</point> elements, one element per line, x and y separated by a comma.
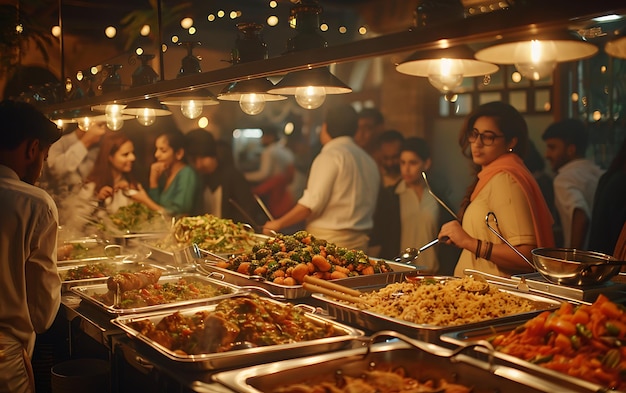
<point>226,326</point>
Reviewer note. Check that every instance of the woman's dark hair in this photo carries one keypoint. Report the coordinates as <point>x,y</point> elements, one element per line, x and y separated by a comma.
<point>509,120</point>
<point>511,124</point>
<point>101,173</point>
<point>176,140</point>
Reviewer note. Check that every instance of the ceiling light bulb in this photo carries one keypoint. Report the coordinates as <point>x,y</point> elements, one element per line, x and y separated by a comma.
<point>114,110</point>
<point>252,103</point>
<point>191,109</point>
<point>114,121</point>
<point>146,117</point>
<point>310,97</point>
<point>445,83</point>
<point>84,123</point>
<point>537,59</point>
<point>445,75</point>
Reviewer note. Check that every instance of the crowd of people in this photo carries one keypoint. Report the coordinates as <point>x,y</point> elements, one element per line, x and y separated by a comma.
<point>365,190</point>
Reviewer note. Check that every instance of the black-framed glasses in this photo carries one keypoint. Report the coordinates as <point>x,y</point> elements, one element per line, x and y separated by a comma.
<point>487,138</point>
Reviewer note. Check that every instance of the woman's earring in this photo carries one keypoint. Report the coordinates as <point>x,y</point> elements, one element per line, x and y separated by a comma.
<point>510,150</point>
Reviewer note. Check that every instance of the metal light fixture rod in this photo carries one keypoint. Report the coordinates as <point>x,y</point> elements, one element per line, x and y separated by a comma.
<point>160,46</point>
<point>489,27</point>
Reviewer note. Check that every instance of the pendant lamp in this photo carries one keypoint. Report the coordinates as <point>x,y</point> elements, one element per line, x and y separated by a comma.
<point>310,86</point>
<point>193,101</point>
<point>252,94</point>
<point>536,57</point>
<point>445,68</point>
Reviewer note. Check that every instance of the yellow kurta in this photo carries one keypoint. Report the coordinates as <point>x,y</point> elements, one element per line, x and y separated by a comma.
<point>503,196</point>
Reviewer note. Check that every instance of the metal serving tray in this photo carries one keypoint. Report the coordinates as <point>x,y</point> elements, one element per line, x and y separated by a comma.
<point>87,292</point>
<point>372,321</point>
<point>117,264</point>
<point>241,357</point>
<point>185,255</point>
<point>422,362</point>
<point>134,238</point>
<point>462,336</point>
<point>398,273</point>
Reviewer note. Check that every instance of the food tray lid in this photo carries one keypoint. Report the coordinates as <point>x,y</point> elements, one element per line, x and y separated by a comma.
<point>86,293</point>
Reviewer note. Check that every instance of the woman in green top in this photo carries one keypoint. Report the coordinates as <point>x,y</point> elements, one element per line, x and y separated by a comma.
<point>173,183</point>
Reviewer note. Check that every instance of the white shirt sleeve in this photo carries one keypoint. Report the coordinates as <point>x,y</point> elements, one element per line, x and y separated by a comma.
<point>322,176</point>
<point>65,157</point>
<point>43,284</point>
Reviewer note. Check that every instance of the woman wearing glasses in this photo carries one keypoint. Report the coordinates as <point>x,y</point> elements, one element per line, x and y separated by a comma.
<point>495,137</point>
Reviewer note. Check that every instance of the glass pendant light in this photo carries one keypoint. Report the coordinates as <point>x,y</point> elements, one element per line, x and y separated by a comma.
<point>310,86</point>
<point>445,68</point>
<point>191,102</point>
<point>146,110</point>
<point>537,57</point>
<point>252,94</point>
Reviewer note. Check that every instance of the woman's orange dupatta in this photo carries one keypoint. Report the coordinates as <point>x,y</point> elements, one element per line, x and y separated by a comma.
<point>513,165</point>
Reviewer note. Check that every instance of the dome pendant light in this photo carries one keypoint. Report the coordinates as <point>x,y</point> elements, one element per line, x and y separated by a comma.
<point>445,68</point>
<point>148,109</point>
<point>537,57</point>
<point>252,94</point>
<point>191,102</point>
<point>310,87</point>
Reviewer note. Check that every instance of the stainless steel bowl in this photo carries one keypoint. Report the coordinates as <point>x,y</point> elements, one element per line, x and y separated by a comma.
<point>575,267</point>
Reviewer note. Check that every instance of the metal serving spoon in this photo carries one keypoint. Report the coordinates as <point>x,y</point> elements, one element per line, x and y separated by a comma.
<point>410,254</point>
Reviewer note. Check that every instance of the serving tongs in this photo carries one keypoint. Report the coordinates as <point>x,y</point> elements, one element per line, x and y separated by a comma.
<point>520,284</point>
<point>496,231</point>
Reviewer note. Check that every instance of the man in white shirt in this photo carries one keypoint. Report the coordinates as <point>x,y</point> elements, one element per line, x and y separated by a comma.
<point>31,287</point>
<point>71,160</point>
<point>575,181</point>
<point>339,200</point>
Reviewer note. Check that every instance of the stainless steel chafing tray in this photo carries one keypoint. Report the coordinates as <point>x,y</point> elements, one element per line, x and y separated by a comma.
<point>242,357</point>
<point>372,321</point>
<point>398,273</point>
<point>127,239</point>
<point>87,293</point>
<point>86,249</point>
<point>419,360</point>
<point>463,336</point>
<point>183,255</point>
<point>118,265</point>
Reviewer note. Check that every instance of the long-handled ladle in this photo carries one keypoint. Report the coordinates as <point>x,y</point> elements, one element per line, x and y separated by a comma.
<point>442,203</point>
